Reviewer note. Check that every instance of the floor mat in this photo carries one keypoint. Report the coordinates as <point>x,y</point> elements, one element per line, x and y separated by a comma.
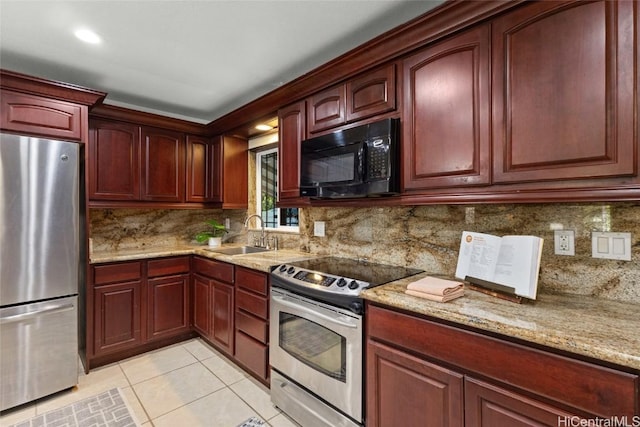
<point>107,409</point>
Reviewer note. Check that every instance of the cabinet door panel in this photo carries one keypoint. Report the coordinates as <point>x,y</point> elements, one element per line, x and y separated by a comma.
<point>374,93</point>
<point>326,109</point>
<point>168,306</point>
<point>201,294</point>
<point>235,173</point>
<point>446,126</point>
<point>222,330</point>
<point>292,131</point>
<point>114,163</point>
<point>117,317</point>
<point>563,98</point>
<point>403,387</point>
<point>487,406</point>
<point>199,169</point>
<point>163,165</point>
<point>40,116</point>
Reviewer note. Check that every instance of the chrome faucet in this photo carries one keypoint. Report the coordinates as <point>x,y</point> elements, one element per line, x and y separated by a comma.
<point>263,236</point>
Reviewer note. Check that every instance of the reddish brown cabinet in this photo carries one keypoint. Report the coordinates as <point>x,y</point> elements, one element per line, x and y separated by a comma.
<point>230,172</point>
<point>37,115</point>
<point>114,146</point>
<point>446,137</point>
<point>369,94</point>
<point>326,109</point>
<point>541,386</point>
<point>291,133</point>
<point>201,304</point>
<point>201,168</point>
<point>252,321</point>
<point>162,165</point>
<point>117,307</point>
<point>168,297</point>
<point>563,92</point>
<point>487,405</point>
<point>136,306</point>
<point>404,387</point>
<point>213,287</point>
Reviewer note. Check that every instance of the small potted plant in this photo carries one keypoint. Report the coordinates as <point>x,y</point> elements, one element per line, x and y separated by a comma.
<point>214,236</point>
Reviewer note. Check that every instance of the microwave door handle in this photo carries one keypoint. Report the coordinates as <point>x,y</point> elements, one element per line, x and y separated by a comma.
<point>297,306</point>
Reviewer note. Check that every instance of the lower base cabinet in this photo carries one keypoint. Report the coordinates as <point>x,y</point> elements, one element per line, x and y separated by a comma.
<point>405,387</point>
<point>136,306</point>
<point>420,372</point>
<point>252,322</point>
<point>488,405</point>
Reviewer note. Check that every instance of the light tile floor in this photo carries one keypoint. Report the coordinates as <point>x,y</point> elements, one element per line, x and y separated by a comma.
<point>187,384</point>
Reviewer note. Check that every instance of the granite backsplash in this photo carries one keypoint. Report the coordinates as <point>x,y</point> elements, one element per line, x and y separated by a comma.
<point>425,237</point>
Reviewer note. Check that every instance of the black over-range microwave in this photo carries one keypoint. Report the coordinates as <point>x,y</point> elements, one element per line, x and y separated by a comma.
<point>362,161</point>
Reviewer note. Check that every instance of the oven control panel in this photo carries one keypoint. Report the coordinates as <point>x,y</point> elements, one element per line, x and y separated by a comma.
<point>322,281</point>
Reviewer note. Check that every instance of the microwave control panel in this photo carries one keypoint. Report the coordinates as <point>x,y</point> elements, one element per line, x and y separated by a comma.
<point>378,158</point>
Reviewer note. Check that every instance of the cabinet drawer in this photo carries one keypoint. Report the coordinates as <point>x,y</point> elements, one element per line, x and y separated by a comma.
<point>168,266</point>
<point>252,304</point>
<point>119,272</point>
<point>252,354</point>
<point>252,326</point>
<point>586,386</point>
<point>214,269</point>
<point>254,281</point>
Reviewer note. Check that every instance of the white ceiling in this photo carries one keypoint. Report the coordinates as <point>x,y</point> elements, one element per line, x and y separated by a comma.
<point>189,59</point>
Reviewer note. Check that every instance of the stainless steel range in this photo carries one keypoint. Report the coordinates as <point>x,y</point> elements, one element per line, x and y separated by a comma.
<point>316,336</point>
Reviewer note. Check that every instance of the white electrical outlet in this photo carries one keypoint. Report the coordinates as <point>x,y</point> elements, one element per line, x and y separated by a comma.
<point>318,228</point>
<point>227,223</point>
<point>564,242</point>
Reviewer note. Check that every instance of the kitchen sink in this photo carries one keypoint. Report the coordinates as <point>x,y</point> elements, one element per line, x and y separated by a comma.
<point>241,250</point>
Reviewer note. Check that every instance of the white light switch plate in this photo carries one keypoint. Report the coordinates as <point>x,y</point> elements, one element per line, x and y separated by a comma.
<point>318,228</point>
<point>611,245</point>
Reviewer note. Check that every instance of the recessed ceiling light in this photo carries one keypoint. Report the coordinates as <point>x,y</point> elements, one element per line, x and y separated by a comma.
<point>263,127</point>
<point>87,36</point>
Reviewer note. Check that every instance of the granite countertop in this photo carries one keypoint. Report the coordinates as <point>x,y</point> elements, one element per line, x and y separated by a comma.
<point>593,327</point>
<point>262,261</point>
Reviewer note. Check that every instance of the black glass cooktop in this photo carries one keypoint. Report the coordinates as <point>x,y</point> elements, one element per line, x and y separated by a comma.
<point>373,273</point>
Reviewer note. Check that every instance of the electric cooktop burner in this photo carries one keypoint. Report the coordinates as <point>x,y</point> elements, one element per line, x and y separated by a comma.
<point>338,281</point>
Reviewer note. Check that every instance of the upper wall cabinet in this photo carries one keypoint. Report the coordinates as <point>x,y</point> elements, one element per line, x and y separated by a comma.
<point>132,163</point>
<point>34,106</point>
<point>367,95</point>
<point>231,172</point>
<point>200,170</point>
<point>446,140</point>
<point>114,165</point>
<point>291,129</point>
<point>563,92</point>
<point>163,165</point>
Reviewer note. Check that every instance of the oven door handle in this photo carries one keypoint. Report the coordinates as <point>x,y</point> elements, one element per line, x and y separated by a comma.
<point>286,303</point>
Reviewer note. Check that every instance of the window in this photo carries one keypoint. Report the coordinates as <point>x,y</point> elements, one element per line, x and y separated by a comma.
<point>267,193</point>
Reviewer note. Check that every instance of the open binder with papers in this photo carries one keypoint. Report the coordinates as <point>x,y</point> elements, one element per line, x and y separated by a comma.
<point>507,265</point>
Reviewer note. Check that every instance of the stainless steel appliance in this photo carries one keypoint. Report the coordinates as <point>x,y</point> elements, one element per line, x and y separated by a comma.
<point>40,268</point>
<point>316,337</point>
<point>362,161</point>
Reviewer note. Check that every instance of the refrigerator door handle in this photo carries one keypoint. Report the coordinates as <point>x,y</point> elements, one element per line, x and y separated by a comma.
<point>26,316</point>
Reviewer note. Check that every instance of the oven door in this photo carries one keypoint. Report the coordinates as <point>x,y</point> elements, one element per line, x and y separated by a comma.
<point>319,347</point>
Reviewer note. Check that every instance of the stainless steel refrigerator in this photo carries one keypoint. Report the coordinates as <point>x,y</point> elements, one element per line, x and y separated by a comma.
<point>40,266</point>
